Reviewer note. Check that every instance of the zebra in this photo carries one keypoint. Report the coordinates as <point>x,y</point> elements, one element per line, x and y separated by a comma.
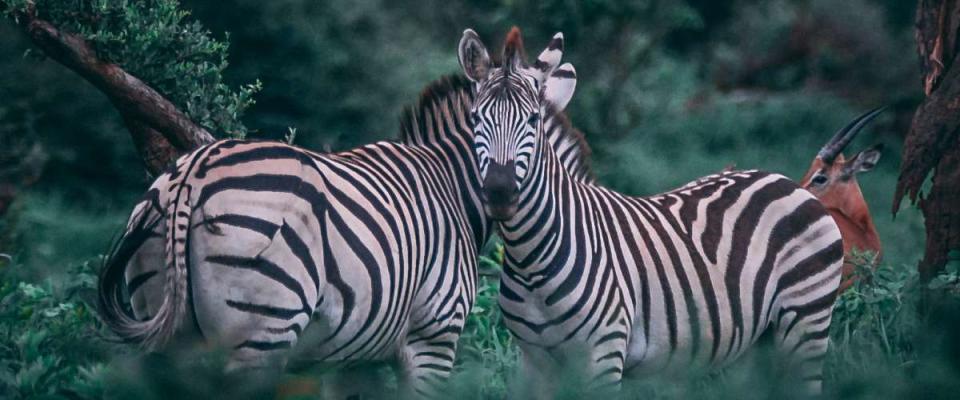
<point>634,285</point>
<point>245,243</point>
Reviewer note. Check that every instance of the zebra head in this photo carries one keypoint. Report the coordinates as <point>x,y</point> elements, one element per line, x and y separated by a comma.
<point>506,113</point>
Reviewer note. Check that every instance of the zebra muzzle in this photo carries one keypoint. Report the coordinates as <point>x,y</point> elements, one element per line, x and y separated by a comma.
<point>500,191</point>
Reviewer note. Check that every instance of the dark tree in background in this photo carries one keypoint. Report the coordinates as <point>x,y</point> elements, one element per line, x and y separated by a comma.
<point>933,144</point>
<point>129,51</point>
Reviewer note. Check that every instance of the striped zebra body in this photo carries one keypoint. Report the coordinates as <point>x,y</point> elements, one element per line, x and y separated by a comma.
<point>687,278</point>
<point>374,248</point>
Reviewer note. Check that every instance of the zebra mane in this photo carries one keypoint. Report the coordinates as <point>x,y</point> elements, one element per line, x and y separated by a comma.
<point>569,143</point>
<point>417,123</point>
<point>454,95</point>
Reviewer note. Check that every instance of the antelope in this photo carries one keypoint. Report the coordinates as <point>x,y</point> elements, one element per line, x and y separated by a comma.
<point>833,179</point>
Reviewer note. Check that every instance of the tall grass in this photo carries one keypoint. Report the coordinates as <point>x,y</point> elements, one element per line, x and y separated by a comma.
<point>891,338</point>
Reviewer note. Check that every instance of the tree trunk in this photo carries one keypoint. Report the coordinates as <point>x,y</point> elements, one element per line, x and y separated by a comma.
<point>941,211</point>
<point>160,131</point>
<point>933,143</point>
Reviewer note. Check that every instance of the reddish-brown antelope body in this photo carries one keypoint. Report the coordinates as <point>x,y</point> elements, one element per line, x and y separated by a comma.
<point>833,179</point>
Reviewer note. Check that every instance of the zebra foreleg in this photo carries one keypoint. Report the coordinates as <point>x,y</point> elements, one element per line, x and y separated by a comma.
<point>424,366</point>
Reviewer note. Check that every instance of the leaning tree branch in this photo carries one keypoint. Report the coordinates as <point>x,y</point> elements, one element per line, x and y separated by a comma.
<point>155,150</point>
<point>159,129</point>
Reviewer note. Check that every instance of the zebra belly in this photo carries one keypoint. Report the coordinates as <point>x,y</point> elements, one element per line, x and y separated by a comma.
<point>657,357</point>
<point>712,342</point>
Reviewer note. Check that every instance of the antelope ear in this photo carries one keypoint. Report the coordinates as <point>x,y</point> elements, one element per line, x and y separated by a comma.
<point>549,59</point>
<point>473,57</point>
<point>559,87</point>
<point>865,160</point>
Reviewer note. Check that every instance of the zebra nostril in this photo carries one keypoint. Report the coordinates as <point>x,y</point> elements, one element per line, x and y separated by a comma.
<point>500,191</point>
<point>500,182</point>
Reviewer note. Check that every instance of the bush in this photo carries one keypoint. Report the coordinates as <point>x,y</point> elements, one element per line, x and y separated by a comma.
<point>49,341</point>
<point>154,41</point>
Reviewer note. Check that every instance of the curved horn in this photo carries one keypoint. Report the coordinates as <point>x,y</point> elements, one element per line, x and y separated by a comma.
<point>843,137</point>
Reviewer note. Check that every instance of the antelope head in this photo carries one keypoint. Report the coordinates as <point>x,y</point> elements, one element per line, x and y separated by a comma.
<point>832,178</point>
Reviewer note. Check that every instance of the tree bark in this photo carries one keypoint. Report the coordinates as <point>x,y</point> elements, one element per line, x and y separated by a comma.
<point>160,131</point>
<point>155,150</point>
<point>941,211</point>
<point>933,143</point>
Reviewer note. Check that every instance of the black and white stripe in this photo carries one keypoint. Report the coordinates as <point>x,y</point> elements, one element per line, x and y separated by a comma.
<point>374,248</point>
<point>691,277</point>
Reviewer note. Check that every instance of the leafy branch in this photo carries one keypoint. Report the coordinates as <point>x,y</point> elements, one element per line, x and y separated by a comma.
<point>170,104</point>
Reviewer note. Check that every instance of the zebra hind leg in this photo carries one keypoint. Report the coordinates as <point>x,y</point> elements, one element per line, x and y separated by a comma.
<point>806,347</point>
<point>802,325</point>
<point>250,294</point>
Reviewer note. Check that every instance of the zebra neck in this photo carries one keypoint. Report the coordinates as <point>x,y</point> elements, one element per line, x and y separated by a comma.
<point>439,123</point>
<point>532,235</point>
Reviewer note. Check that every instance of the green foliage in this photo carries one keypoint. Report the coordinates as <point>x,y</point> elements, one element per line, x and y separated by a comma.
<point>689,131</point>
<point>487,354</point>
<point>891,336</point>
<point>49,345</point>
<point>877,316</point>
<point>50,229</point>
<point>154,41</point>
<point>339,71</point>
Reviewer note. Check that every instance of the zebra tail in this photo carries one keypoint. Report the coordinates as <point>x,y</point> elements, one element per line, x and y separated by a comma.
<point>155,331</point>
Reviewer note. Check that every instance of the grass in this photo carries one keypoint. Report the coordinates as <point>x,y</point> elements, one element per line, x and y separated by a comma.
<point>888,341</point>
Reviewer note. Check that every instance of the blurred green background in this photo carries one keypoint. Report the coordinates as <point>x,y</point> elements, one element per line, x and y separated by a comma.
<point>667,91</point>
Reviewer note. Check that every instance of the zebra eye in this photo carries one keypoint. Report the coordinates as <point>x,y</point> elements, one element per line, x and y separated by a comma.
<point>819,179</point>
<point>534,119</point>
<point>474,118</point>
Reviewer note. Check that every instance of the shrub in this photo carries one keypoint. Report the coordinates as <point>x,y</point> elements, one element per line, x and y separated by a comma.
<point>49,343</point>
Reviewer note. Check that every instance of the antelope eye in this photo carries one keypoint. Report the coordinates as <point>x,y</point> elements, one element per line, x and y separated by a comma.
<point>819,179</point>
<point>534,119</point>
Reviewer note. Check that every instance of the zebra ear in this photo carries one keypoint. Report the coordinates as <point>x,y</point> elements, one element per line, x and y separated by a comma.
<point>560,86</point>
<point>473,56</point>
<point>548,60</point>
